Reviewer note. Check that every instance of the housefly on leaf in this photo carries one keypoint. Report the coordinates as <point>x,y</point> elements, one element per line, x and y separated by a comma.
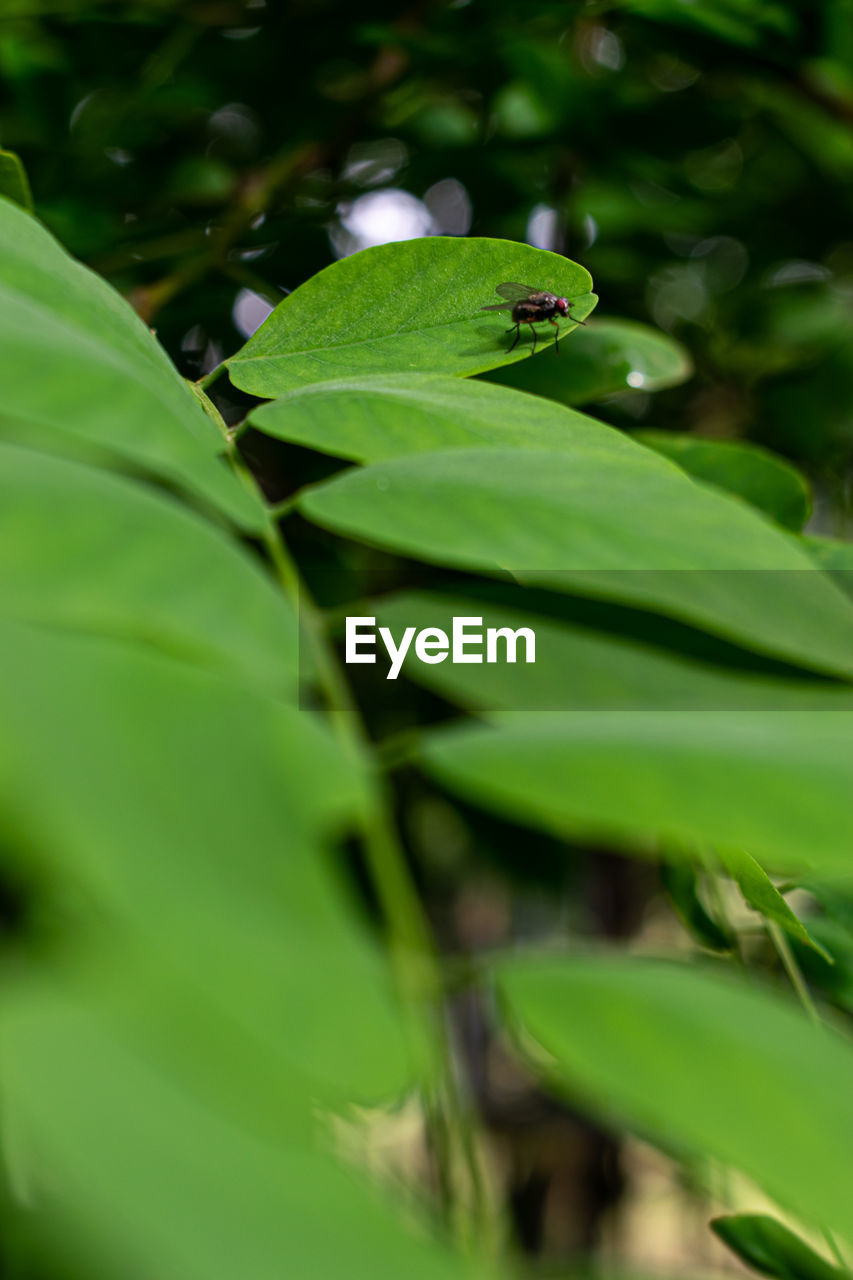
<point>531,306</point>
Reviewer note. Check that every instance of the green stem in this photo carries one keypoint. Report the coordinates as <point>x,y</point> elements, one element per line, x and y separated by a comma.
<point>792,969</point>
<point>388,865</point>
<point>798,982</point>
<point>208,380</point>
<point>283,508</point>
<point>414,958</point>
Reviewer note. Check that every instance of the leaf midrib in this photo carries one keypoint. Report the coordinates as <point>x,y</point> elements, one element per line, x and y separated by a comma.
<point>382,337</point>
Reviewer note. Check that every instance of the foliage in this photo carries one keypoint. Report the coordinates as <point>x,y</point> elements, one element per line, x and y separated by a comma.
<point>234,870</point>
<point>772,1249</point>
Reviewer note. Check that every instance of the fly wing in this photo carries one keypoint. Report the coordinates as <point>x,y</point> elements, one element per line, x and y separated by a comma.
<point>514,292</point>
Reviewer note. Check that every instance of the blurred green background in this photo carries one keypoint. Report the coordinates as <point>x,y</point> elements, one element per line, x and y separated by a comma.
<point>697,158</point>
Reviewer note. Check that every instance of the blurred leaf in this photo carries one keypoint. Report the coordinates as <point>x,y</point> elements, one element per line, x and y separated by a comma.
<point>623,213</point>
<point>625,527</point>
<point>142,1173</point>
<point>819,134</point>
<point>771,1248</point>
<point>411,306</point>
<point>372,418</point>
<point>680,882</point>
<point>836,558</point>
<point>776,782</point>
<point>447,123</point>
<point>92,551</point>
<point>578,668</point>
<point>830,553</point>
<point>195,816</point>
<point>200,180</point>
<point>744,22</point>
<point>14,184</point>
<point>746,470</point>
<point>605,356</point>
<point>702,1063</point>
<point>520,112</point>
<point>110,384</point>
<point>763,896</point>
<point>833,929</point>
<point>833,980</point>
<point>162,1064</point>
<point>835,895</point>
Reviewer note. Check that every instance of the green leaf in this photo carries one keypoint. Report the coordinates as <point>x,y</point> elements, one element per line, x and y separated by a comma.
<point>110,385</point>
<point>763,896</point>
<point>833,556</point>
<point>775,782</point>
<point>830,553</point>
<point>14,184</point>
<point>402,308</point>
<point>372,418</point>
<point>93,551</point>
<point>681,885</point>
<point>626,527</point>
<point>743,22</point>
<point>577,668</point>
<point>701,1063</point>
<point>771,1248</point>
<point>835,896</point>
<point>142,1174</point>
<point>606,356</point>
<point>195,814</point>
<point>519,112</point>
<point>746,470</point>
<point>214,986</point>
<point>834,982</point>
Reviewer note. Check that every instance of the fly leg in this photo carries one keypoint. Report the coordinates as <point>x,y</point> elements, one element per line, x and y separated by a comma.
<point>571,317</point>
<point>517,335</point>
<point>557,330</point>
<point>533,330</point>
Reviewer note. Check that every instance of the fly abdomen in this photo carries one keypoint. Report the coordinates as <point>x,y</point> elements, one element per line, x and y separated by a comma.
<point>527,310</point>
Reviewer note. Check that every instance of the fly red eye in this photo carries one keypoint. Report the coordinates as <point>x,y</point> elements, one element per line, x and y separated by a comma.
<point>563,306</point>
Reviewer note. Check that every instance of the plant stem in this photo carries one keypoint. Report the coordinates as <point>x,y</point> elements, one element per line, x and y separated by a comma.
<point>798,982</point>
<point>397,894</point>
<point>792,969</point>
<point>412,948</point>
<point>209,379</point>
<point>413,954</point>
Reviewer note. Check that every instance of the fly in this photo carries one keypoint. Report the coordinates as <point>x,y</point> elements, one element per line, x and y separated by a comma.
<point>531,306</point>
